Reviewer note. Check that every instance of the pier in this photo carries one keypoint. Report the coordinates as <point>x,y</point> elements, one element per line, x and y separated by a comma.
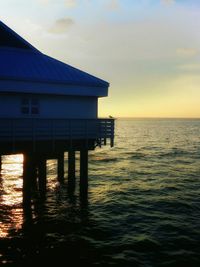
<point>51,141</point>
<point>48,108</point>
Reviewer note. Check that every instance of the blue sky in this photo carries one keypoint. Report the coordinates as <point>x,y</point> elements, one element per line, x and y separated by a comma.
<point>149,50</point>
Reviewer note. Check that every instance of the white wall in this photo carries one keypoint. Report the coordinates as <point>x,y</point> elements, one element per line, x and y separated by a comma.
<point>50,106</point>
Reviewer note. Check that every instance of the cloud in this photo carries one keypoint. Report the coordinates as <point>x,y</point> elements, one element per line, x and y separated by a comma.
<point>70,3</point>
<point>61,25</point>
<point>186,52</point>
<point>192,67</point>
<point>67,3</point>
<point>113,5</point>
<point>44,2</point>
<point>168,2</point>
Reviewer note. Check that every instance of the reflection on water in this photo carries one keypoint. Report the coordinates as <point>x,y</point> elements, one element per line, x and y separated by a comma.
<point>11,194</point>
<point>142,209</point>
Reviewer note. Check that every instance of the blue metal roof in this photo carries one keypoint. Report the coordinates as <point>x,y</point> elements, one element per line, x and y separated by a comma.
<point>21,61</point>
<point>9,38</point>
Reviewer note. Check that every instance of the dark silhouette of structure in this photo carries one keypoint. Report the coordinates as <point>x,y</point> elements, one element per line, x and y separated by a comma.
<point>47,108</point>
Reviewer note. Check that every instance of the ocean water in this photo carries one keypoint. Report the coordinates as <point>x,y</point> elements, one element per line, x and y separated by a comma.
<point>143,206</point>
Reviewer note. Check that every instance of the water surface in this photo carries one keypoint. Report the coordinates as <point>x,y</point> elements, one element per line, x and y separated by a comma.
<point>143,205</point>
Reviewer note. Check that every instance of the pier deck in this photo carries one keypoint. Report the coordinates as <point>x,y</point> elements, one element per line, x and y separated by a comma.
<point>19,135</point>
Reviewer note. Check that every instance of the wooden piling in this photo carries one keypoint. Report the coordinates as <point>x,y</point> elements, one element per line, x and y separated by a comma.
<point>60,167</point>
<point>0,163</point>
<point>84,172</point>
<point>34,175</point>
<point>71,164</point>
<point>28,171</point>
<point>42,176</point>
<point>71,171</point>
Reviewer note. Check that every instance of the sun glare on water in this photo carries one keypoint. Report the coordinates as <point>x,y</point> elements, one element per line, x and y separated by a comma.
<point>11,193</point>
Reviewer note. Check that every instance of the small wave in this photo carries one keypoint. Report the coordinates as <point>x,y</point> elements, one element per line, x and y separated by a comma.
<point>171,188</point>
<point>100,160</point>
<point>143,244</point>
<point>174,152</point>
<point>162,154</point>
<point>137,155</point>
<point>109,160</point>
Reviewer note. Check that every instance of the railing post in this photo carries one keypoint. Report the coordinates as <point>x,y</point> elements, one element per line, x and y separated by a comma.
<point>105,132</point>
<point>112,133</point>
<point>99,132</point>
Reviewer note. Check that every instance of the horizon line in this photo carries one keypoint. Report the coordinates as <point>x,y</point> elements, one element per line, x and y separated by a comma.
<point>132,117</point>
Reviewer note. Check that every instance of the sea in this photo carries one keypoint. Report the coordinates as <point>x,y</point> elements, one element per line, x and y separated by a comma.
<point>142,209</point>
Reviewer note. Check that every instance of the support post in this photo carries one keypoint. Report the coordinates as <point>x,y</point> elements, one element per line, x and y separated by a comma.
<point>28,172</point>
<point>34,175</point>
<point>71,164</point>
<point>71,169</point>
<point>84,172</point>
<point>61,167</point>
<point>0,163</point>
<point>42,176</point>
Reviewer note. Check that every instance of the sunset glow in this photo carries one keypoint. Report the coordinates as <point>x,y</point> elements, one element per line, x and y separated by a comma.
<point>148,50</point>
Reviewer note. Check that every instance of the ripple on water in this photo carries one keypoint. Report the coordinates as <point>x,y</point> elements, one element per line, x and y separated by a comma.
<point>142,210</point>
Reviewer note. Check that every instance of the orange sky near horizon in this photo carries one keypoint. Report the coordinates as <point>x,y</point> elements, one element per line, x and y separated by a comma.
<point>148,50</point>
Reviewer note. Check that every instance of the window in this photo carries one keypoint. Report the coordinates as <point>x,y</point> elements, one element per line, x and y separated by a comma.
<point>34,106</point>
<point>30,106</point>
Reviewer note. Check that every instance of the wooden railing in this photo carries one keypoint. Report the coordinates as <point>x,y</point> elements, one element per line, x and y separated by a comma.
<point>13,130</point>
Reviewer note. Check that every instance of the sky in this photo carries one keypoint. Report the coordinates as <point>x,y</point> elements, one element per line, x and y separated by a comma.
<point>148,50</point>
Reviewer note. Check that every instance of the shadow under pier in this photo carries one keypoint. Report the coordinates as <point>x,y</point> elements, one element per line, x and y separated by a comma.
<point>35,175</point>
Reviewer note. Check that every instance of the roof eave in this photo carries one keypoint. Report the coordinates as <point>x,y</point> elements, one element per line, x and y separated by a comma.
<point>17,86</point>
<point>103,84</point>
